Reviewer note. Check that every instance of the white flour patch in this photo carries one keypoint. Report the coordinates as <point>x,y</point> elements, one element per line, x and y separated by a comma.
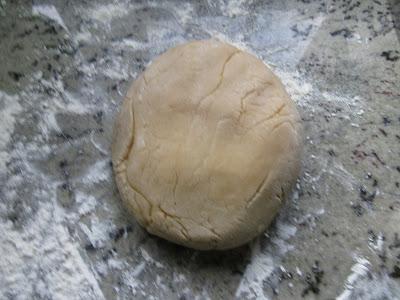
<point>98,172</point>
<point>131,282</point>
<point>361,284</point>
<point>263,263</point>
<point>351,104</point>
<point>98,232</point>
<point>234,7</point>
<point>298,89</point>
<point>347,179</point>
<point>130,44</point>
<point>358,270</point>
<point>106,13</point>
<point>115,70</point>
<point>183,12</point>
<point>87,203</point>
<point>150,260</point>
<point>49,11</point>
<point>42,260</point>
<point>260,268</point>
<point>83,36</point>
<point>9,109</point>
<point>138,269</point>
<point>377,243</point>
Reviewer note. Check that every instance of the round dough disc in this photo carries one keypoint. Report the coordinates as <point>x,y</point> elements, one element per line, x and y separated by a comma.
<point>206,146</point>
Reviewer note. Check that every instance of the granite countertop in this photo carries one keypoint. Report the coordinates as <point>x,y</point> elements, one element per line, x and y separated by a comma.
<point>65,67</point>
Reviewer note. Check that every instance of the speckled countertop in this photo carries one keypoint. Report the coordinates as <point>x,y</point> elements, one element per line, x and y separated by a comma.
<point>64,68</point>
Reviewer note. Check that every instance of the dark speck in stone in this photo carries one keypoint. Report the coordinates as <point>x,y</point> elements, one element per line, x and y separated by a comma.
<point>90,247</point>
<point>17,47</point>
<point>64,136</point>
<point>357,209</point>
<point>62,164</point>
<point>13,217</point>
<point>98,117</point>
<point>331,152</point>
<point>386,121</point>
<point>118,234</point>
<point>346,33</point>
<point>16,76</point>
<point>396,272</point>
<point>313,283</point>
<point>391,55</point>
<point>298,32</point>
<point>383,131</point>
<point>378,158</point>
<point>25,33</point>
<point>398,169</point>
<point>237,272</point>
<point>50,30</point>
<point>367,196</point>
<point>397,184</point>
<point>92,59</point>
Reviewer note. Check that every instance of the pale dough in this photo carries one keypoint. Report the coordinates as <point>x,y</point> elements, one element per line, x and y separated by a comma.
<point>206,146</point>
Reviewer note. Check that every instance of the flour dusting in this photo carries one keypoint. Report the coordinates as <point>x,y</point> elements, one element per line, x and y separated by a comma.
<point>49,11</point>
<point>363,284</point>
<point>65,233</point>
<point>26,255</point>
<point>106,13</point>
<point>9,108</point>
<point>263,262</point>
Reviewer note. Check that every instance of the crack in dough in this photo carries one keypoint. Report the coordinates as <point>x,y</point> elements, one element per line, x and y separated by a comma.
<point>221,78</point>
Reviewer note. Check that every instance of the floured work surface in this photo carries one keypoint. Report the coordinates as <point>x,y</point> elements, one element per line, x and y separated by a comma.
<point>65,70</point>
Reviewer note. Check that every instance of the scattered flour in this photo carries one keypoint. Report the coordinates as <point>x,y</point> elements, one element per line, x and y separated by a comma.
<point>83,36</point>
<point>43,261</point>
<point>297,88</point>
<point>87,203</point>
<point>98,232</point>
<point>49,11</point>
<point>263,263</point>
<point>234,8</point>
<point>99,171</point>
<point>106,13</point>
<point>362,284</point>
<point>184,12</point>
<point>9,108</point>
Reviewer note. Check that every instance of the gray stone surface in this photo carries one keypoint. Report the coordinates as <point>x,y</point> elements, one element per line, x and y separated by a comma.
<point>64,69</point>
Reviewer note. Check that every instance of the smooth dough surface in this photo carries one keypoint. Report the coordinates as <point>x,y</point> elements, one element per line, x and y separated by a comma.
<point>206,146</point>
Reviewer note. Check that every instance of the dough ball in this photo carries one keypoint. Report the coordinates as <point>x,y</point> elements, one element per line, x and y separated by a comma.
<point>206,146</point>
